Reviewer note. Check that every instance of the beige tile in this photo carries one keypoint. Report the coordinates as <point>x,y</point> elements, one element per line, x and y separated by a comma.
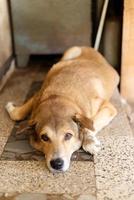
<point>29,196</point>
<point>20,176</point>
<point>114,169</point>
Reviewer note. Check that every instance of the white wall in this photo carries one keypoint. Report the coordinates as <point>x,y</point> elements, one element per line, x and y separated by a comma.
<point>5,38</point>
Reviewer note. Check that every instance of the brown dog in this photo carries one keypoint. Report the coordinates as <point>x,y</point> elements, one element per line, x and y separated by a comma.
<point>71,107</point>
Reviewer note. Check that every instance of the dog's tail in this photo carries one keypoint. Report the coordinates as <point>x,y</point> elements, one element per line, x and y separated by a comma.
<point>72,53</point>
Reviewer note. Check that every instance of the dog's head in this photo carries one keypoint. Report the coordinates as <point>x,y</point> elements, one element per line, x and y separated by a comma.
<point>58,134</point>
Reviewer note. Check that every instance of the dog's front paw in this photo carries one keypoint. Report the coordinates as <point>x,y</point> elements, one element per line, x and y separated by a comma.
<point>92,146</point>
<point>9,107</point>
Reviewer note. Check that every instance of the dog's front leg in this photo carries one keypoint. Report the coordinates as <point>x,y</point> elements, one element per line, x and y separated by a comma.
<point>105,115</point>
<point>90,142</point>
<point>17,113</point>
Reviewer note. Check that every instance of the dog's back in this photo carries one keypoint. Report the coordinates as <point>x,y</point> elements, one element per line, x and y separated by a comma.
<point>83,72</point>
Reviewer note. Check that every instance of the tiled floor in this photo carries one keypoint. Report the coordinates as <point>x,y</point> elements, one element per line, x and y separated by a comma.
<point>110,177</point>
<point>33,176</point>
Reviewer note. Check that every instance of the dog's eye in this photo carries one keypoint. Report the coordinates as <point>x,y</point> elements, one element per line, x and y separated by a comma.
<point>45,138</point>
<point>68,136</point>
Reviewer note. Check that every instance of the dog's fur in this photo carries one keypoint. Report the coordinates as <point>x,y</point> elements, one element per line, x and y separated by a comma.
<point>72,105</point>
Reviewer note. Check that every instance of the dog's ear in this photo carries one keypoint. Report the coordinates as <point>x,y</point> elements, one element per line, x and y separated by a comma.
<point>31,122</point>
<point>34,135</point>
<point>84,122</point>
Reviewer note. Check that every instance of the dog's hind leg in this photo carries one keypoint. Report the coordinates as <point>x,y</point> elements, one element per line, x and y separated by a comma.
<point>17,113</point>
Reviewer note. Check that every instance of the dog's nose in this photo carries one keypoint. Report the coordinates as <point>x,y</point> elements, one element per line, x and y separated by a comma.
<point>57,163</point>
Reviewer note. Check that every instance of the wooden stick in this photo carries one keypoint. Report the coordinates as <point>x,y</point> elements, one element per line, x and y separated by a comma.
<point>101,25</point>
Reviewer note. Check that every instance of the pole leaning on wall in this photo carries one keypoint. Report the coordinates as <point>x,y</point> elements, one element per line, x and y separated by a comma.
<point>101,25</point>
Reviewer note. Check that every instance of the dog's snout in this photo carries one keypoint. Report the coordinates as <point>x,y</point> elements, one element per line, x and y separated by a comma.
<point>57,163</point>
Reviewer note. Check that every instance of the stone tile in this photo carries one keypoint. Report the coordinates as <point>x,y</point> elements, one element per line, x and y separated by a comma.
<point>20,146</point>
<point>114,169</point>
<point>8,156</point>
<point>29,196</point>
<point>30,176</point>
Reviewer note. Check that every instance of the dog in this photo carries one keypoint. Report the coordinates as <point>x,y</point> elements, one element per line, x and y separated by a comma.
<point>71,107</point>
